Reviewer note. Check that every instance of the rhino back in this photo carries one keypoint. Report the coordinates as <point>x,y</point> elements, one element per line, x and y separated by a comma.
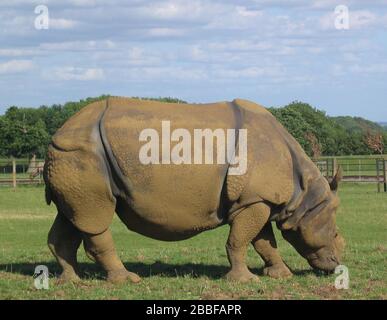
<point>179,197</point>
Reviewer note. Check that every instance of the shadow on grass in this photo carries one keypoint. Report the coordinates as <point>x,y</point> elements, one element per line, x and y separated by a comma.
<point>158,268</point>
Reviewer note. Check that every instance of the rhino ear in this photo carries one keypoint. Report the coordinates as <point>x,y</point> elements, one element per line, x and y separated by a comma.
<point>334,184</point>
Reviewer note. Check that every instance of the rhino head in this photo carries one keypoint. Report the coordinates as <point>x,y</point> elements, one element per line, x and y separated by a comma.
<point>309,223</point>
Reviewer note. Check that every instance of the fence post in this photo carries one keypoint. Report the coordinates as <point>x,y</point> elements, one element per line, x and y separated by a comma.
<point>385,174</point>
<point>378,174</point>
<point>14,173</point>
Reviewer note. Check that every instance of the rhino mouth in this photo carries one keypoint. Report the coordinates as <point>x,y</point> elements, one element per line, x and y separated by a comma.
<point>326,263</point>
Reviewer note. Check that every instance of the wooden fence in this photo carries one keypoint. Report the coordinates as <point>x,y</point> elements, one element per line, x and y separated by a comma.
<point>15,172</point>
<point>371,170</point>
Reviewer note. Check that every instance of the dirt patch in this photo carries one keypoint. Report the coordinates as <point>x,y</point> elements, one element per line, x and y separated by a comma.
<point>60,294</point>
<point>140,257</point>
<point>209,295</point>
<point>373,284</point>
<point>216,293</point>
<point>328,292</point>
<point>9,275</point>
<point>278,293</point>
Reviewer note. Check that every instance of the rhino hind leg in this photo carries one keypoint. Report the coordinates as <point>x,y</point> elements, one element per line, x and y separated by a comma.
<point>78,183</point>
<point>101,248</point>
<point>64,240</point>
<point>244,228</point>
<point>266,246</point>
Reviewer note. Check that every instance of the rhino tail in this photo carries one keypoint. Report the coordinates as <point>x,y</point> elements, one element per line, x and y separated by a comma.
<point>46,175</point>
<point>48,195</point>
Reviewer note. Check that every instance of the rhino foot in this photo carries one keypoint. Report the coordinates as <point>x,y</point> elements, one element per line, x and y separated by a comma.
<point>277,271</point>
<point>242,276</point>
<point>120,276</point>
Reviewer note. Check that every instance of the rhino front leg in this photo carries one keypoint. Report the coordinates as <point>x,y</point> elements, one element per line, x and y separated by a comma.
<point>101,248</point>
<point>266,246</point>
<point>244,228</point>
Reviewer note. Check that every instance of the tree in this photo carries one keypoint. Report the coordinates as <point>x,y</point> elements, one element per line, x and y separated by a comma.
<point>375,141</point>
<point>315,145</point>
<point>295,123</point>
<point>19,139</point>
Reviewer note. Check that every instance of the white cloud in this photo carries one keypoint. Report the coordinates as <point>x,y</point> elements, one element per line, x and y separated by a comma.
<point>250,72</point>
<point>331,4</point>
<point>165,32</point>
<point>137,56</point>
<point>73,73</point>
<point>81,3</point>
<point>370,68</point>
<point>363,18</point>
<point>62,24</point>
<point>12,24</point>
<point>164,74</point>
<point>84,3</point>
<point>350,57</point>
<point>15,66</point>
<point>176,9</point>
<point>88,45</point>
<point>244,12</point>
<point>16,52</point>
<point>196,53</point>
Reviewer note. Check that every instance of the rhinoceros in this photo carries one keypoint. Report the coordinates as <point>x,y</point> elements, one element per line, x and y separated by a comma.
<point>93,170</point>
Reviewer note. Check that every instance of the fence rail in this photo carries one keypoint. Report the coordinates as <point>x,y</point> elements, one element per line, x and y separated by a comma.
<point>372,170</point>
<point>15,172</point>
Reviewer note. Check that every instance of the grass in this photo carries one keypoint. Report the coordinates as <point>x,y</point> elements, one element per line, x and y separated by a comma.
<point>190,269</point>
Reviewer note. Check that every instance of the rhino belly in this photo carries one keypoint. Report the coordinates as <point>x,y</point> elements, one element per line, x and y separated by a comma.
<point>167,222</point>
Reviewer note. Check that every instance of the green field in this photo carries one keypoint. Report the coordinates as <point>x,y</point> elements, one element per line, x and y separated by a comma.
<point>190,269</point>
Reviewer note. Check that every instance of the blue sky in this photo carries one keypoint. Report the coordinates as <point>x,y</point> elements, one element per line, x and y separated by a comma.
<point>271,52</point>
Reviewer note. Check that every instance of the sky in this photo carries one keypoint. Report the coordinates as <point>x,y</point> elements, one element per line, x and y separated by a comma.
<point>271,52</point>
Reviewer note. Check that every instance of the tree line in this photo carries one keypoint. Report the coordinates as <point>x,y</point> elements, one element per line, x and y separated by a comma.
<point>27,131</point>
<point>322,135</point>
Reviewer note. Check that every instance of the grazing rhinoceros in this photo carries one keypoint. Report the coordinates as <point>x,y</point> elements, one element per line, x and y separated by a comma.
<point>93,169</point>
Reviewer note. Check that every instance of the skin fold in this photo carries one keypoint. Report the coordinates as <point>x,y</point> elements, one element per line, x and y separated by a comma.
<point>93,170</point>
